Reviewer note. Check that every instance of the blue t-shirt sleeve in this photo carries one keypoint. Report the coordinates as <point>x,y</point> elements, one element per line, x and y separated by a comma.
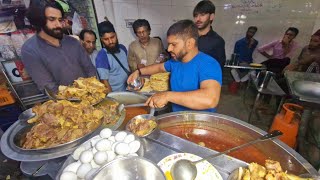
<point>102,65</point>
<point>168,65</point>
<point>210,70</point>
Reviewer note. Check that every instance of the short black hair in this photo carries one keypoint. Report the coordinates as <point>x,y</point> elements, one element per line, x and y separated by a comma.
<point>205,6</point>
<point>140,23</point>
<point>253,28</point>
<point>36,13</point>
<point>84,31</point>
<point>184,29</point>
<point>105,27</point>
<point>293,29</point>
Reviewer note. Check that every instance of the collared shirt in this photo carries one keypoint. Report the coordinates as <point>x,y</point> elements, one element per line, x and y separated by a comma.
<point>52,66</point>
<point>109,69</point>
<point>277,49</point>
<point>149,53</point>
<point>213,45</point>
<point>242,48</point>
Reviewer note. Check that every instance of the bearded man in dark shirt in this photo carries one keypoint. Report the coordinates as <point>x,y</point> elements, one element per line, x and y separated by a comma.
<point>51,58</point>
<point>209,41</point>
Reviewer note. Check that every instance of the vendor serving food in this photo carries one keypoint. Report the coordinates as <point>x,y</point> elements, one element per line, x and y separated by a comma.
<point>195,78</point>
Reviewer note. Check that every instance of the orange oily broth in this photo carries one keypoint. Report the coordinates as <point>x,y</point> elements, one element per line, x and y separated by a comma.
<point>131,112</point>
<point>217,139</point>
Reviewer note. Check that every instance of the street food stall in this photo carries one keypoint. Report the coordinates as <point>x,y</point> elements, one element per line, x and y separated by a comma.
<point>181,135</point>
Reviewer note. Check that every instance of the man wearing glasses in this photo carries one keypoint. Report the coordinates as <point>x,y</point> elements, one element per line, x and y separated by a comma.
<point>88,40</point>
<point>281,51</point>
<point>145,50</point>
<point>51,58</point>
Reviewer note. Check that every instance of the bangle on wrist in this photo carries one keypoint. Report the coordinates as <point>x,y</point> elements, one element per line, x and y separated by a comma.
<point>139,72</point>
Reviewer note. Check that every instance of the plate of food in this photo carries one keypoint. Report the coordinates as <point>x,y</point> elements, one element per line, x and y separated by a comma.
<point>101,149</point>
<point>271,170</point>
<point>142,125</point>
<point>205,169</point>
<point>255,64</point>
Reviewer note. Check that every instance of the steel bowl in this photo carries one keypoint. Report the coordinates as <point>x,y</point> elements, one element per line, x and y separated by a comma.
<point>144,117</point>
<point>127,98</point>
<point>129,168</point>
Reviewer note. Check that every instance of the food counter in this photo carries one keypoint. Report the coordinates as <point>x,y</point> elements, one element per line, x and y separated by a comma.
<point>228,132</point>
<point>225,131</point>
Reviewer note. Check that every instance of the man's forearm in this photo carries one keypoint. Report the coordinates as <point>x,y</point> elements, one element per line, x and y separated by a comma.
<point>266,55</point>
<point>197,100</point>
<point>153,69</point>
<point>200,99</point>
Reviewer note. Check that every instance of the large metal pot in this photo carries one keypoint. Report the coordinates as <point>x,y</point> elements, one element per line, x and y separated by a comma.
<point>220,132</point>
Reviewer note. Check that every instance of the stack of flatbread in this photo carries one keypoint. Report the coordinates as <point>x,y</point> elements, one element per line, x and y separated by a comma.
<point>160,81</point>
<point>146,86</point>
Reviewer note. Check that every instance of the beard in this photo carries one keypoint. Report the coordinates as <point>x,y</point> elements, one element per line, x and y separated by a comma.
<point>56,32</point>
<point>203,25</point>
<point>113,49</point>
<point>180,55</point>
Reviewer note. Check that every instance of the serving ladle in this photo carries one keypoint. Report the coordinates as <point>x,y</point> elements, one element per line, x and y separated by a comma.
<point>136,84</point>
<point>52,96</point>
<point>186,170</point>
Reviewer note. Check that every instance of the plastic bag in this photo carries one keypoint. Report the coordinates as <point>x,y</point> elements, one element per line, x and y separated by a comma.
<point>7,50</point>
<point>76,24</point>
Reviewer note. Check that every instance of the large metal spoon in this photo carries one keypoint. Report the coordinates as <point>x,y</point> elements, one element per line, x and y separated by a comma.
<point>186,170</point>
<point>136,84</point>
<point>53,96</point>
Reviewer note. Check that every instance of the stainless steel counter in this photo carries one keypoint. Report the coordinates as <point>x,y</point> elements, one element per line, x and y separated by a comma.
<point>161,144</point>
<point>293,76</point>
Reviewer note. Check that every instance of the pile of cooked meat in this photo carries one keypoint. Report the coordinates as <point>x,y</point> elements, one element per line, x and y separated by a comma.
<point>271,171</point>
<point>86,89</point>
<point>60,122</point>
<point>141,127</point>
<point>110,111</point>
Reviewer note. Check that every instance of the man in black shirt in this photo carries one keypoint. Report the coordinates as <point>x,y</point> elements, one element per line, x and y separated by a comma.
<point>209,41</point>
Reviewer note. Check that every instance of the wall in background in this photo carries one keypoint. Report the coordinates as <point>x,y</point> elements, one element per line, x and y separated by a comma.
<point>272,17</point>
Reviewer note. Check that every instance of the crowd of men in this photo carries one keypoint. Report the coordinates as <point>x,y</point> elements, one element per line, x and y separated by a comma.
<point>195,56</point>
<point>54,59</point>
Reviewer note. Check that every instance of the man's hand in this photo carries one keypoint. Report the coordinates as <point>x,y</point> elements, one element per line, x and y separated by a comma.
<point>251,42</point>
<point>132,77</point>
<point>290,67</point>
<point>158,100</point>
<point>139,66</point>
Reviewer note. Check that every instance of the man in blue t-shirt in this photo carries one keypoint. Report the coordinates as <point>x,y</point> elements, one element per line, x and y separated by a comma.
<point>195,77</point>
